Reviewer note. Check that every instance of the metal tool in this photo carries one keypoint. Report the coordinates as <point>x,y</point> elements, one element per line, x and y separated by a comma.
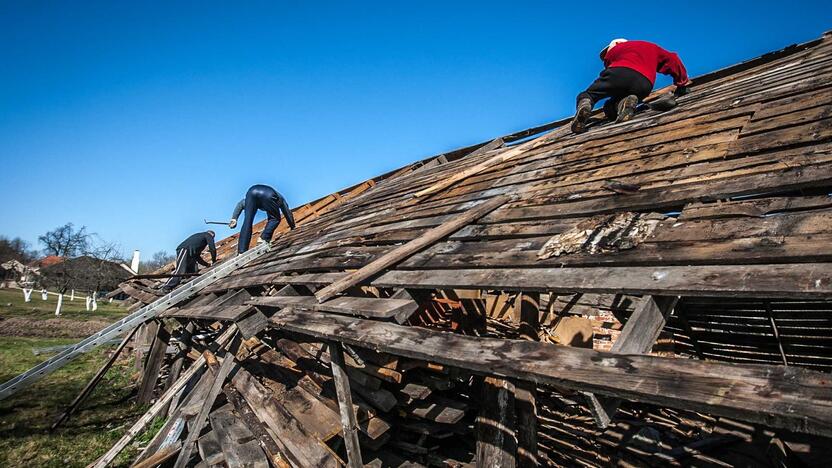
<point>225,223</point>
<point>135,319</point>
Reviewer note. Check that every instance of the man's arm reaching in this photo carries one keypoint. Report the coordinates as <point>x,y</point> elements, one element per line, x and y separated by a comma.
<point>212,248</point>
<point>238,209</point>
<point>287,212</point>
<point>671,64</point>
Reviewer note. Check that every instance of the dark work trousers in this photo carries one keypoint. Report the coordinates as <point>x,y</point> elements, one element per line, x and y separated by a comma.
<point>184,264</point>
<point>259,197</point>
<point>617,83</point>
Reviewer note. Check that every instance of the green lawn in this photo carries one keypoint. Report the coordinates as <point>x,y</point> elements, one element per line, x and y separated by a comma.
<point>13,305</point>
<point>25,439</point>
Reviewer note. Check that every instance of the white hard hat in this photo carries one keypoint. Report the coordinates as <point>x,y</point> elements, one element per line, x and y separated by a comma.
<point>610,46</point>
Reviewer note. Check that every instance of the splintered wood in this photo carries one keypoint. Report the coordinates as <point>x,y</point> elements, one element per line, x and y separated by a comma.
<point>650,293</point>
<point>602,235</point>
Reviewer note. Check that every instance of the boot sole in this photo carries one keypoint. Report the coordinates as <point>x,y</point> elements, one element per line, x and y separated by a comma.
<point>627,110</point>
<point>579,122</point>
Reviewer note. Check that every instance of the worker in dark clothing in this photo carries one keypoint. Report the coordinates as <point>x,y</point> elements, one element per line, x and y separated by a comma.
<point>260,197</point>
<point>629,73</point>
<point>189,253</point>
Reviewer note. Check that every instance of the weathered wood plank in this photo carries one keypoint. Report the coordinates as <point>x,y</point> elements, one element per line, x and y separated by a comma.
<point>784,397</point>
<point>780,181</point>
<point>157,408</point>
<point>299,446</point>
<point>527,312</point>
<point>498,159</point>
<point>255,425</point>
<point>523,253</point>
<point>228,313</point>
<point>398,254</point>
<point>228,365</point>
<point>234,438</point>
<point>345,407</point>
<point>753,208</point>
<point>153,363</point>
<point>361,306</point>
<point>637,337</point>
<point>496,439</point>
<point>776,281</point>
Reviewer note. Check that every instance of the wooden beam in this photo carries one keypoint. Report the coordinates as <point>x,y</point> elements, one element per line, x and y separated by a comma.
<point>176,420</point>
<point>228,365</point>
<point>496,441</point>
<point>179,360</point>
<point>644,325</point>
<point>504,156</point>
<point>527,309</point>
<point>370,307</point>
<point>228,313</point>
<point>400,253</point>
<point>87,390</point>
<point>637,337</point>
<point>791,398</point>
<point>155,410</point>
<point>255,425</point>
<point>798,280</point>
<point>447,182</point>
<point>159,457</point>
<point>153,363</point>
<point>525,403</point>
<point>348,419</point>
<point>527,315</point>
<point>299,446</point>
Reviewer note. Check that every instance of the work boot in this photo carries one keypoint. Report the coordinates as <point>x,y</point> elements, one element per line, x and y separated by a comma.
<point>582,112</point>
<point>260,240</point>
<point>626,108</point>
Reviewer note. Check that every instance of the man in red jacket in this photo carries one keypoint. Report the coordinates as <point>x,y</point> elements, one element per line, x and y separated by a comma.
<point>629,73</point>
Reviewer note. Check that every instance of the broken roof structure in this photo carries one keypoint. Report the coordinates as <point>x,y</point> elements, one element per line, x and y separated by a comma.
<point>647,293</point>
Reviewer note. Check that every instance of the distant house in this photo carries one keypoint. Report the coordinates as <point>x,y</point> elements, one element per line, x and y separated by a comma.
<point>15,274</point>
<point>47,261</point>
<point>84,273</point>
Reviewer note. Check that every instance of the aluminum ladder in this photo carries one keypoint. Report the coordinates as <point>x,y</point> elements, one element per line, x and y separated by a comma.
<point>135,319</point>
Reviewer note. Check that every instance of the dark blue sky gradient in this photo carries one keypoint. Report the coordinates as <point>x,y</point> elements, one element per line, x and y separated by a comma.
<point>139,119</point>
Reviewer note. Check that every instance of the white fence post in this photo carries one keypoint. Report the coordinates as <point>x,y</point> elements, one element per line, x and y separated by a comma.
<point>72,295</point>
<point>60,302</point>
<point>27,295</point>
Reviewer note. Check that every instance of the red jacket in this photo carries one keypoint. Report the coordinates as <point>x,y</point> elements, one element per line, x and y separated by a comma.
<point>647,58</point>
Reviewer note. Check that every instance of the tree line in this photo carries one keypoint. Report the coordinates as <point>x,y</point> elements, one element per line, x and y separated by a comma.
<point>85,260</point>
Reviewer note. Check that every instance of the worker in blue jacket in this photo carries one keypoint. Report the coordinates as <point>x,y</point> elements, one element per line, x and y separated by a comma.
<point>260,197</point>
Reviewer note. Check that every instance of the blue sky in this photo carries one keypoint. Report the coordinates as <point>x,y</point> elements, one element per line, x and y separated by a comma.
<point>139,119</point>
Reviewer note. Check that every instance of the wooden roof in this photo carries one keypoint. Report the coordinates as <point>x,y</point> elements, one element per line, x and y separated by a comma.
<point>722,201</point>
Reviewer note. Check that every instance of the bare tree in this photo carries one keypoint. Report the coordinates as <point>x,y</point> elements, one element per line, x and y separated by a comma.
<point>15,249</point>
<point>101,272</point>
<point>89,263</point>
<point>158,260</point>
<point>65,241</point>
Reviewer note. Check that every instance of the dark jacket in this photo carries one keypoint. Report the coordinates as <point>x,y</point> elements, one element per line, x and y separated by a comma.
<point>196,243</point>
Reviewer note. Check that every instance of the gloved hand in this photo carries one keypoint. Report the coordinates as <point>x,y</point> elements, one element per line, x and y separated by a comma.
<point>232,224</point>
<point>681,90</point>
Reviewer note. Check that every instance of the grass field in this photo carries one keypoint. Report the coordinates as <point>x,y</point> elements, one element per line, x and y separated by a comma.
<point>25,439</point>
